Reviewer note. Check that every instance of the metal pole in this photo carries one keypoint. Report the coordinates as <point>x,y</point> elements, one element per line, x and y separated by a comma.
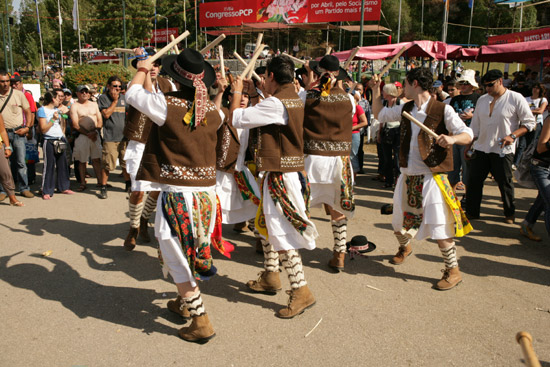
<point>9,36</point>
<point>60,37</point>
<point>399,24</point>
<point>155,25</point>
<point>471,17</point>
<point>167,38</point>
<point>185,19</point>
<point>125,59</point>
<point>422,20</point>
<point>197,29</point>
<point>359,67</point>
<point>5,46</point>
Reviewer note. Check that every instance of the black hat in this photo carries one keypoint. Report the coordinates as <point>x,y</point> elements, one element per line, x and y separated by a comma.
<point>329,63</point>
<point>191,61</point>
<point>150,51</point>
<point>15,78</point>
<point>260,70</point>
<point>360,245</point>
<point>492,75</point>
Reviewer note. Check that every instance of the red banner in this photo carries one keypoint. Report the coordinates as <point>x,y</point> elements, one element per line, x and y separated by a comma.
<point>534,35</point>
<point>162,36</point>
<point>227,13</point>
<point>234,13</point>
<point>321,11</point>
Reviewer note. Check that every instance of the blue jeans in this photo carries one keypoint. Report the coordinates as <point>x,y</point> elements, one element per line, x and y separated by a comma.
<point>355,143</point>
<point>541,176</point>
<point>17,160</point>
<point>459,163</point>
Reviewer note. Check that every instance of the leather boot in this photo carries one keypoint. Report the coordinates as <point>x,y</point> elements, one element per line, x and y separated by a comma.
<point>240,227</point>
<point>144,229</point>
<point>268,282</point>
<point>177,306</point>
<point>401,255</point>
<point>299,300</point>
<point>451,278</point>
<point>200,331</point>
<point>130,241</point>
<point>337,261</point>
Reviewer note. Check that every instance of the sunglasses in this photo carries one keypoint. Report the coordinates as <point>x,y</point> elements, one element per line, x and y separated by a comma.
<point>84,91</point>
<point>488,85</point>
<point>116,86</point>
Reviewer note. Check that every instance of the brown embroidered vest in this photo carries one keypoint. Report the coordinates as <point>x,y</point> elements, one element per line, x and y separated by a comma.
<point>175,153</point>
<point>138,125</point>
<point>328,123</point>
<point>280,148</point>
<point>227,148</point>
<point>437,158</point>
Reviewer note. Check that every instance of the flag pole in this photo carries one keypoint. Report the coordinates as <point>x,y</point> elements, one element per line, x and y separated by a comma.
<point>40,36</point>
<point>471,17</point>
<point>60,37</point>
<point>76,18</point>
<point>185,19</point>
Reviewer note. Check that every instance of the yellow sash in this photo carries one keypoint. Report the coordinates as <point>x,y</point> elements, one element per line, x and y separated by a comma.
<point>462,224</point>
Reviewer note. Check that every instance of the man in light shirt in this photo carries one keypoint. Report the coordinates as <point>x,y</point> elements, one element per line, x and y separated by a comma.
<point>501,116</point>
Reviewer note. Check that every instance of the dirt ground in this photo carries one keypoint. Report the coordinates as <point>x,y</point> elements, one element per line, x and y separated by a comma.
<point>91,303</point>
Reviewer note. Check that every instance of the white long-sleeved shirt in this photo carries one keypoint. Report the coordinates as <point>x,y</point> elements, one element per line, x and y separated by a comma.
<point>509,112</point>
<point>453,123</point>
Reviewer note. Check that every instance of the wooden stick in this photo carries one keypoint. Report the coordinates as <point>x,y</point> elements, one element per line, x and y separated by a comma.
<point>124,50</point>
<point>350,58</point>
<point>296,60</point>
<point>328,51</point>
<point>526,341</point>
<point>259,41</point>
<point>169,46</point>
<point>238,57</point>
<point>213,44</point>
<point>420,125</point>
<point>388,66</point>
<point>222,66</point>
<point>252,62</point>
<point>176,46</point>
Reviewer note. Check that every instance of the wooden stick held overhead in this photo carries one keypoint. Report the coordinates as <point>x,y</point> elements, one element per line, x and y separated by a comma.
<point>252,62</point>
<point>176,46</point>
<point>124,50</point>
<point>296,60</point>
<point>350,58</point>
<point>420,125</point>
<point>238,57</point>
<point>328,51</point>
<point>526,341</point>
<point>222,66</point>
<point>388,66</point>
<point>169,46</point>
<point>259,41</point>
<point>213,44</point>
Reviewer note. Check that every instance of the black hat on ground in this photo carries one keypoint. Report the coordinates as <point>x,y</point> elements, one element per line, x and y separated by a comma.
<point>150,51</point>
<point>188,61</point>
<point>360,245</point>
<point>491,75</point>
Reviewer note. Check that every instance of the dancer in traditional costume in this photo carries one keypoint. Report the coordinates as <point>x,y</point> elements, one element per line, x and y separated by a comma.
<point>328,129</point>
<point>283,215</point>
<point>424,203</point>
<point>137,130</point>
<point>237,188</point>
<point>178,160</point>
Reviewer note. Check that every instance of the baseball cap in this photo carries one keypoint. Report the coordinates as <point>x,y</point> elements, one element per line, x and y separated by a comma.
<point>67,90</point>
<point>437,84</point>
<point>80,88</point>
<point>15,78</point>
<point>398,85</point>
<point>491,75</point>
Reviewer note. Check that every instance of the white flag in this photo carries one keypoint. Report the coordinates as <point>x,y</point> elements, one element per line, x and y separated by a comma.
<point>59,12</point>
<point>75,15</point>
